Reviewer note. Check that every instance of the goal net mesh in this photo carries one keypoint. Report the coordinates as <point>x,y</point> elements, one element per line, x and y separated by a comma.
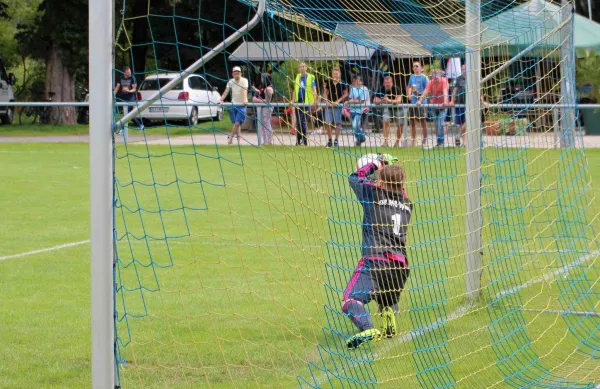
<point>231,260</point>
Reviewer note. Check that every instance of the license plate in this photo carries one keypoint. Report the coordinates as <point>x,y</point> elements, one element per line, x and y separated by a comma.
<point>159,109</point>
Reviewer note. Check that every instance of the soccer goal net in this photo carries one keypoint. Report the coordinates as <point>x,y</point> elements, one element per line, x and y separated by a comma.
<point>244,255</point>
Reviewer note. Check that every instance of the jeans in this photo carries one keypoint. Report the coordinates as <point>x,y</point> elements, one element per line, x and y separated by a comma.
<point>439,119</point>
<point>357,128</point>
<point>301,126</point>
<point>126,109</point>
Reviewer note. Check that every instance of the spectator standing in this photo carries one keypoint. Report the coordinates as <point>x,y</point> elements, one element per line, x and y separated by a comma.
<point>126,90</point>
<point>238,86</point>
<point>437,88</point>
<point>390,94</point>
<point>367,109</point>
<point>318,119</point>
<point>305,92</point>
<point>356,101</point>
<point>459,97</point>
<point>334,94</point>
<point>264,114</point>
<point>416,85</point>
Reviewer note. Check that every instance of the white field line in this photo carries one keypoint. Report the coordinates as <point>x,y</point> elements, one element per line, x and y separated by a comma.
<point>564,271</point>
<point>53,248</point>
<point>465,309</point>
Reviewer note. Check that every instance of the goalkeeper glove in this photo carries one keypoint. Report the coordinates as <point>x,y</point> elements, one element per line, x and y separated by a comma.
<point>387,159</point>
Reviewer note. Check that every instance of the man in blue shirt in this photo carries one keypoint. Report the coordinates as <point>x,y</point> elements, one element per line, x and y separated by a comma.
<point>416,86</point>
<point>356,102</point>
<point>126,90</point>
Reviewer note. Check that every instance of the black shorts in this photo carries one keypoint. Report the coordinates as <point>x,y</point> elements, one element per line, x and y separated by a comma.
<point>381,280</point>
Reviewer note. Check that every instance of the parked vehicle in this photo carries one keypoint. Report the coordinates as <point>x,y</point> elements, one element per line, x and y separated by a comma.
<point>6,94</point>
<point>191,91</point>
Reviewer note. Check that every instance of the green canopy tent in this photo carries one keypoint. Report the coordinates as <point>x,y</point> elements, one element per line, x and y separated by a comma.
<point>530,22</point>
<point>504,35</point>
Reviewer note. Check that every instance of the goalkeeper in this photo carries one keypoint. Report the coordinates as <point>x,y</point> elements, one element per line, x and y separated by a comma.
<point>383,268</point>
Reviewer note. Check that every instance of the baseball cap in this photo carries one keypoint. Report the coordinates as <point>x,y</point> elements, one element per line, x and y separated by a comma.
<point>237,69</point>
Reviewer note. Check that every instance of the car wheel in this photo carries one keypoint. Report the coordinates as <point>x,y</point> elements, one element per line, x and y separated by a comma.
<point>7,118</point>
<point>193,119</point>
<point>219,116</point>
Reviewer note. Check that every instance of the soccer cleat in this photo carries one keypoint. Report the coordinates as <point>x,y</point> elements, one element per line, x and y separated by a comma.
<point>336,143</point>
<point>389,322</point>
<point>365,336</point>
<point>329,144</point>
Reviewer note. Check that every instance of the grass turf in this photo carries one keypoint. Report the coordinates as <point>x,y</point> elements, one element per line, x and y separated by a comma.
<point>42,130</point>
<point>237,296</point>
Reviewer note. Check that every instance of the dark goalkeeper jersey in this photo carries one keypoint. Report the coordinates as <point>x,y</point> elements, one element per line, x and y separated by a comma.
<point>387,215</point>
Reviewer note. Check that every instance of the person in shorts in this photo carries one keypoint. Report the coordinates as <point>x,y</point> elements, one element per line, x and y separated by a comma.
<point>335,93</point>
<point>238,86</point>
<point>391,94</point>
<point>416,86</point>
<point>383,270</point>
<point>459,97</point>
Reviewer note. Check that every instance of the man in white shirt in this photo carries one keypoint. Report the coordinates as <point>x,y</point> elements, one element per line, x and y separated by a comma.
<point>238,86</point>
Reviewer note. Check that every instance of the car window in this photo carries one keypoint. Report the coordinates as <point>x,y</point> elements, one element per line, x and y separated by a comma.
<point>197,83</point>
<point>153,84</point>
<point>205,85</point>
<point>208,86</point>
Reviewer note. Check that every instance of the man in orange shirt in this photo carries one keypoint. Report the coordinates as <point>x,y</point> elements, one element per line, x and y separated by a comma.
<point>437,88</point>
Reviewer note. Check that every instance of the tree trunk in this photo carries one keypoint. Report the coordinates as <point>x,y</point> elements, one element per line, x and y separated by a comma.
<point>60,86</point>
<point>140,38</point>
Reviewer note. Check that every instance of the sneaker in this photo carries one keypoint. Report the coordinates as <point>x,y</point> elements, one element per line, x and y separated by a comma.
<point>336,143</point>
<point>389,322</point>
<point>365,336</point>
<point>141,128</point>
<point>329,144</point>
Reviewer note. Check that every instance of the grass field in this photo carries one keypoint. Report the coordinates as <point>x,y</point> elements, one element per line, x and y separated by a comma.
<point>232,262</point>
<point>42,130</point>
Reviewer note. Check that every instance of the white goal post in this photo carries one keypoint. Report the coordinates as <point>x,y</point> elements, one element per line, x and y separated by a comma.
<point>101,51</point>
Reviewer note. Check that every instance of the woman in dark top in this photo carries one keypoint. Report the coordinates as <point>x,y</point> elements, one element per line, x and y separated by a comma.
<point>264,114</point>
